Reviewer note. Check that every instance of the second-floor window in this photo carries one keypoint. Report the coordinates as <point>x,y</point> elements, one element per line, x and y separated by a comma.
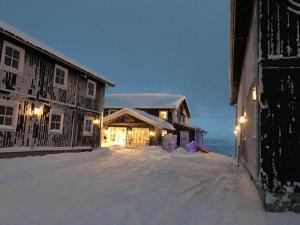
<point>163,114</point>
<point>12,57</point>
<point>91,89</point>
<point>60,77</point>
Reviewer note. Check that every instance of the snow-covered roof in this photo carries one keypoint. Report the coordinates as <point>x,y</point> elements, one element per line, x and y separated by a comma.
<point>145,101</point>
<point>28,40</point>
<point>192,127</point>
<point>142,115</point>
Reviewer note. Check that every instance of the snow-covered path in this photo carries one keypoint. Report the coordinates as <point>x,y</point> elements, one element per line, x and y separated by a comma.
<point>130,187</point>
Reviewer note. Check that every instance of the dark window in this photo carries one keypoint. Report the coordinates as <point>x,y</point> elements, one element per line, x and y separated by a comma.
<point>56,122</point>
<point>60,76</point>
<point>6,115</point>
<point>88,126</point>
<point>91,89</point>
<point>12,57</point>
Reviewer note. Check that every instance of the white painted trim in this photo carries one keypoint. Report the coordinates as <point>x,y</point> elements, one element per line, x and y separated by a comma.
<point>15,105</point>
<point>66,77</point>
<point>85,133</point>
<point>21,58</point>
<point>56,112</point>
<point>87,89</point>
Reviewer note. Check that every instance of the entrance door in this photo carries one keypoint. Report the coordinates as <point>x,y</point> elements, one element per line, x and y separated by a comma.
<point>117,136</point>
<point>184,138</point>
<point>140,137</point>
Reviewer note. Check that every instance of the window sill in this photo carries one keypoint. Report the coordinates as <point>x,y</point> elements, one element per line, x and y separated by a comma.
<point>85,134</point>
<point>59,132</point>
<point>91,97</point>
<point>59,86</point>
<point>7,128</point>
<point>12,70</point>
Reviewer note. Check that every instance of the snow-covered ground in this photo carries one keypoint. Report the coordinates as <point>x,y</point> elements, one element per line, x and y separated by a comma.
<point>130,187</point>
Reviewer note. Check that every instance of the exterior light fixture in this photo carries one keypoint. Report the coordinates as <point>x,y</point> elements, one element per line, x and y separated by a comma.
<point>242,119</point>
<point>238,128</point>
<point>96,121</point>
<point>37,111</point>
<point>235,132</point>
<point>254,94</point>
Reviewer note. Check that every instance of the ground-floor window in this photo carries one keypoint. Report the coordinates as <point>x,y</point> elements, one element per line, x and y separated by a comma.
<point>56,121</point>
<point>8,115</point>
<point>88,126</point>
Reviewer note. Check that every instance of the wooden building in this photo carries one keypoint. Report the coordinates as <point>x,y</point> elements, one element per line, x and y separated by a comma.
<point>47,101</point>
<point>140,119</point>
<point>265,87</point>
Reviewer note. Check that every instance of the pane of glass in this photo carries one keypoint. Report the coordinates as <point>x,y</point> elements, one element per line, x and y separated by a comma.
<point>2,110</point>
<point>15,64</point>
<point>7,61</point>
<point>16,54</point>
<point>8,51</point>
<point>57,79</point>
<point>1,120</point>
<point>52,126</point>
<point>8,121</point>
<point>58,117</point>
<point>9,111</point>
<point>57,126</point>
<point>62,81</point>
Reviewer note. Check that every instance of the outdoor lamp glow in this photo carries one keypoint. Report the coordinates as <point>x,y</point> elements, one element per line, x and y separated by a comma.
<point>254,94</point>
<point>96,121</point>
<point>238,128</point>
<point>152,133</point>
<point>242,119</point>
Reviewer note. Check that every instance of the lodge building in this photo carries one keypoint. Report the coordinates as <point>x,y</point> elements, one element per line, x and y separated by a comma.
<point>141,119</point>
<point>47,101</point>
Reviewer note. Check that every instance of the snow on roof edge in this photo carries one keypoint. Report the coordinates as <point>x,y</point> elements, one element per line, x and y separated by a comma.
<point>155,121</point>
<point>40,46</point>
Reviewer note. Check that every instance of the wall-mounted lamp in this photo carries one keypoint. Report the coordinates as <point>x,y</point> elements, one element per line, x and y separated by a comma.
<point>254,94</point>
<point>235,132</point>
<point>242,119</point>
<point>96,121</point>
<point>37,111</point>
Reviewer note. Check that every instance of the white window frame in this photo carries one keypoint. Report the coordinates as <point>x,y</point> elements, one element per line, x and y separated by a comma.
<point>56,112</point>
<point>15,115</point>
<point>21,58</point>
<point>88,133</point>
<point>167,113</point>
<point>66,77</point>
<point>87,89</point>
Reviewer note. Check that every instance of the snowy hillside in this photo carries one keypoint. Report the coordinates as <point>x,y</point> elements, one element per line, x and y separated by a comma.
<point>134,187</point>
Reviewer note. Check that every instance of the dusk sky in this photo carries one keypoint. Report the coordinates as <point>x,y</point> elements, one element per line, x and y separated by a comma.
<point>173,46</point>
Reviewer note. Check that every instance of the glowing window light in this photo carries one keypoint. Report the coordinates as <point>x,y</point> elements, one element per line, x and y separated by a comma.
<point>152,133</point>
<point>37,110</point>
<point>96,121</point>
<point>164,132</point>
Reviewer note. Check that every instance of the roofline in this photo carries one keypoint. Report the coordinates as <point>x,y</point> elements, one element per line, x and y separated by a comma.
<point>53,55</point>
<point>241,13</point>
<point>135,114</point>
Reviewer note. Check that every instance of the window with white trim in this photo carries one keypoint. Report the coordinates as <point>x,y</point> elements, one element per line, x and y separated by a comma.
<point>56,122</point>
<point>163,114</point>
<point>91,89</point>
<point>60,77</point>
<point>12,57</point>
<point>88,126</point>
<point>8,115</point>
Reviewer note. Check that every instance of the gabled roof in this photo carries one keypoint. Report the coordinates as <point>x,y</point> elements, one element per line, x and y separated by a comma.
<point>146,101</point>
<point>139,114</point>
<point>241,15</point>
<point>35,44</point>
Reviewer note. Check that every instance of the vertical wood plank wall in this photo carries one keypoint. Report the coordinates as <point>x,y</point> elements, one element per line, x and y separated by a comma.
<point>36,85</point>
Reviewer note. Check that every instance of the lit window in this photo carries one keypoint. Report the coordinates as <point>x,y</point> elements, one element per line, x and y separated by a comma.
<point>56,122</point>
<point>12,57</point>
<point>91,89</point>
<point>60,77</point>
<point>8,115</point>
<point>164,132</point>
<point>88,126</point>
<point>163,115</point>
